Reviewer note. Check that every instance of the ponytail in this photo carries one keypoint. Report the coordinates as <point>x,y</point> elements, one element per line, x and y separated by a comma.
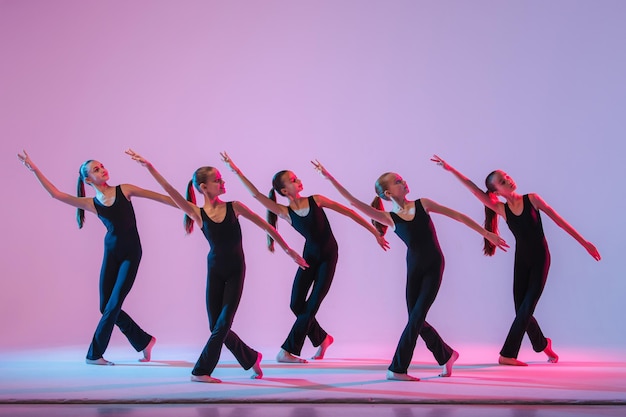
<point>277,185</point>
<point>83,172</point>
<point>191,197</point>
<point>80,192</point>
<point>272,220</point>
<point>491,218</point>
<point>377,203</point>
<point>200,176</point>
<point>380,186</point>
<point>491,224</point>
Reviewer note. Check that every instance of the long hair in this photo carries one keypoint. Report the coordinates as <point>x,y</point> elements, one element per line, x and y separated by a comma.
<point>83,172</point>
<point>380,186</point>
<point>201,176</point>
<point>491,218</point>
<point>272,218</point>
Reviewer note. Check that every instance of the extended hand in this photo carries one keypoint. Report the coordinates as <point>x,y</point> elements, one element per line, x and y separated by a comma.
<point>592,251</point>
<point>497,240</point>
<point>136,157</point>
<point>297,258</point>
<point>440,162</point>
<point>25,159</point>
<point>320,168</point>
<point>382,242</point>
<point>229,162</point>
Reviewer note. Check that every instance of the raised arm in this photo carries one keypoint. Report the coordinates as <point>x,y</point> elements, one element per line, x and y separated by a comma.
<point>375,214</point>
<point>484,198</point>
<point>190,209</point>
<point>243,210</point>
<point>134,191</point>
<point>278,209</point>
<point>340,208</point>
<point>85,203</point>
<point>540,204</point>
<point>431,206</point>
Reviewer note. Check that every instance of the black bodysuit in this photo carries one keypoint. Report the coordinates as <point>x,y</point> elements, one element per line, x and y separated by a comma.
<point>226,269</point>
<point>532,261</point>
<point>425,265</point>
<point>320,252</point>
<point>122,253</point>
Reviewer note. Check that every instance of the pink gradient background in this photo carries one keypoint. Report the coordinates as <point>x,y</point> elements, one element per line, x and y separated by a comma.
<point>532,87</point>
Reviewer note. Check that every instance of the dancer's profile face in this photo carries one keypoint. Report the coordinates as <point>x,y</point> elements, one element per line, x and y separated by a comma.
<point>214,184</point>
<point>396,186</point>
<point>502,183</point>
<point>291,184</point>
<point>96,173</point>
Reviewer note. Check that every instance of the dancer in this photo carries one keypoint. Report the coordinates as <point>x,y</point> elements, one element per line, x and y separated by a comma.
<point>412,223</point>
<point>532,257</point>
<point>307,216</point>
<point>226,264</point>
<point>122,250</point>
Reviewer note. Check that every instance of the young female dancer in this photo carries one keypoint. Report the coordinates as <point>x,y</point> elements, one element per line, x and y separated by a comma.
<point>411,222</point>
<point>307,216</point>
<point>122,250</point>
<point>532,257</point>
<point>226,264</point>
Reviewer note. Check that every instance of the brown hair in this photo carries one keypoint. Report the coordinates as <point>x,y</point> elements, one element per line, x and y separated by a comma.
<point>83,172</point>
<point>491,218</point>
<point>380,186</point>
<point>201,176</point>
<point>277,185</point>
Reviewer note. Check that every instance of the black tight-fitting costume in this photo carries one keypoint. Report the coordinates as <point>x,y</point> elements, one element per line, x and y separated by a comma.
<point>122,253</point>
<point>532,261</point>
<point>320,252</point>
<point>226,269</point>
<point>425,265</point>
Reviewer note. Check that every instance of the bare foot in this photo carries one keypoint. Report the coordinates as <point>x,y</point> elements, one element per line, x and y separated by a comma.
<point>148,350</point>
<point>286,357</point>
<point>100,361</point>
<point>258,372</point>
<point>395,376</point>
<point>322,349</point>
<point>552,357</point>
<point>205,378</point>
<point>510,361</point>
<point>447,368</point>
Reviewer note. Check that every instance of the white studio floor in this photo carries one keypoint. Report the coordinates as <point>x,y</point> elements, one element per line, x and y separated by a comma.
<point>59,383</point>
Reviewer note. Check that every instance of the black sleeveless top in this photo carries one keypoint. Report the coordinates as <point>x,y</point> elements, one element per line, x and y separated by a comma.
<point>224,237</point>
<point>419,236</point>
<point>315,228</point>
<point>119,219</point>
<point>526,228</point>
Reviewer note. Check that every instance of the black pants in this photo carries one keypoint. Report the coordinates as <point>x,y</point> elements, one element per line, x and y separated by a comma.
<point>529,278</point>
<point>421,289</point>
<point>117,277</point>
<point>223,293</point>
<point>319,275</point>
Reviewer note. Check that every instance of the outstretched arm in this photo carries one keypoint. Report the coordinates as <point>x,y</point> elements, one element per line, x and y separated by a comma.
<point>378,215</point>
<point>190,209</point>
<point>484,198</point>
<point>540,204</point>
<point>268,203</point>
<point>84,203</point>
<point>243,210</point>
<point>134,191</point>
<point>431,206</point>
<point>340,208</point>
